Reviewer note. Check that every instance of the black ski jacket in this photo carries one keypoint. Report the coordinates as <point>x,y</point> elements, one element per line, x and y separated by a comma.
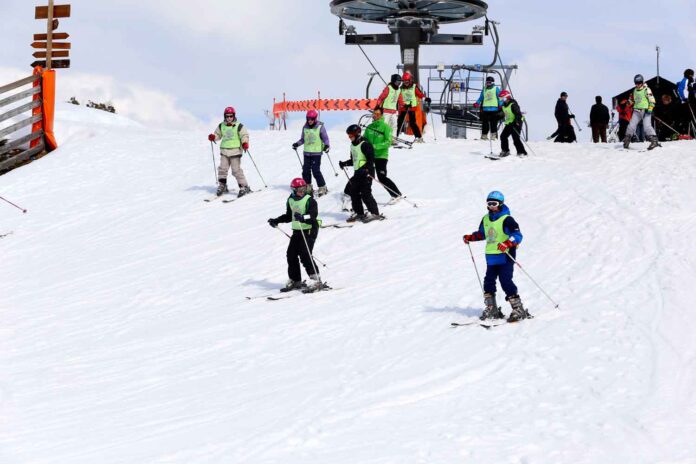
<point>599,114</point>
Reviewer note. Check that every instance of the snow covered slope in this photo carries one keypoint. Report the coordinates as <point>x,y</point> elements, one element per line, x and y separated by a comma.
<point>126,337</point>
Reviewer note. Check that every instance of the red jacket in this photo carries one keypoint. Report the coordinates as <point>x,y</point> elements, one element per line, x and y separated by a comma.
<point>625,110</point>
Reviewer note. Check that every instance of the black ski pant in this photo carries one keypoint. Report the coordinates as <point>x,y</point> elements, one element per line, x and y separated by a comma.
<point>509,130</point>
<point>489,122</point>
<point>411,122</point>
<point>623,126</point>
<point>503,272</point>
<point>360,186</point>
<point>381,167</point>
<point>297,252</point>
<point>566,134</point>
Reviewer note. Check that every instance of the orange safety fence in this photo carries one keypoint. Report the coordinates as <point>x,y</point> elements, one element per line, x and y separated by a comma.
<point>324,105</point>
<point>48,106</point>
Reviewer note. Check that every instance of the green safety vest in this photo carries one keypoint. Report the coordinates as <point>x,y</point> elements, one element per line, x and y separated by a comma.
<point>409,96</point>
<point>494,234</point>
<point>640,98</point>
<point>509,115</point>
<point>392,100</point>
<point>300,206</point>
<point>359,158</point>
<point>490,97</point>
<point>230,136</point>
<point>312,139</point>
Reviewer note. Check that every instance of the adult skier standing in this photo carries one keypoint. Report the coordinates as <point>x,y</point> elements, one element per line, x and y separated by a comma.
<point>565,132</point>
<point>379,135</point>
<point>502,235</point>
<point>302,211</point>
<point>360,185</point>
<point>408,101</point>
<point>388,100</point>
<point>234,139</point>
<point>490,104</point>
<point>315,141</point>
<point>643,103</point>
<point>513,125</point>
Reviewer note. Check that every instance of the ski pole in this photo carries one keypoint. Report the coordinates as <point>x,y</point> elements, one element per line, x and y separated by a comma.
<point>212,152</point>
<point>18,207</point>
<point>576,123</point>
<point>346,173</point>
<point>311,258</point>
<point>475,267</point>
<point>666,125</point>
<point>432,121</point>
<point>530,278</point>
<point>298,158</point>
<point>403,197</point>
<point>524,141</point>
<point>315,258</point>
<point>257,169</point>
<point>331,163</point>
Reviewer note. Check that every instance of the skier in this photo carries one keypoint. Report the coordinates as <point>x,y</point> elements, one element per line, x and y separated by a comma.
<point>513,125</point>
<point>302,211</point>
<point>234,142</point>
<point>360,185</point>
<point>315,141</point>
<point>490,104</point>
<point>379,135</point>
<point>599,120</point>
<point>685,85</point>
<point>685,91</point>
<point>625,113</point>
<point>643,103</point>
<point>408,101</point>
<point>565,132</point>
<point>502,235</point>
<point>388,100</point>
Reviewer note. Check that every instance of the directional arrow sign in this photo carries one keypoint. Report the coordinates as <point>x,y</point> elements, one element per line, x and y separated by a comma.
<point>54,54</point>
<point>56,36</point>
<point>55,45</point>
<point>54,64</point>
<point>59,11</point>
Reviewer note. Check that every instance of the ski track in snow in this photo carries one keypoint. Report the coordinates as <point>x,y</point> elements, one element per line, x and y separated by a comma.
<point>127,337</point>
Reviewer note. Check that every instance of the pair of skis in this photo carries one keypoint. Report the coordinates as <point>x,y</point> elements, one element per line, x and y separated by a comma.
<point>292,293</point>
<point>227,200</point>
<point>488,324</point>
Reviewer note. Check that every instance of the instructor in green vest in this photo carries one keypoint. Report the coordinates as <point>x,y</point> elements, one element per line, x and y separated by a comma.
<point>234,141</point>
<point>489,103</point>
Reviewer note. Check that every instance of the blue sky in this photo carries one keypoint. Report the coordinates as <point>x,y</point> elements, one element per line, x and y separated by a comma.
<point>179,63</point>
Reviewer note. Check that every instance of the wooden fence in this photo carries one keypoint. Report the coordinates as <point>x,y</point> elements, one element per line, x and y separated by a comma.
<point>20,149</point>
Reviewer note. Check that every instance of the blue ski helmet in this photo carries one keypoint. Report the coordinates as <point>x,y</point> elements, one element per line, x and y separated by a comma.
<point>496,195</point>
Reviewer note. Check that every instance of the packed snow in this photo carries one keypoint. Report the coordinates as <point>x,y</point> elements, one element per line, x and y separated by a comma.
<point>127,337</point>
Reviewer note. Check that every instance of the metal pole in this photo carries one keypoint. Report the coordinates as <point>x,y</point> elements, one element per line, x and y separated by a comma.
<point>311,258</point>
<point>403,197</point>
<point>298,158</point>
<point>18,207</point>
<point>331,163</point>
<point>257,169</point>
<point>475,267</point>
<point>49,35</point>
<point>212,152</point>
<point>283,232</point>
<point>530,278</point>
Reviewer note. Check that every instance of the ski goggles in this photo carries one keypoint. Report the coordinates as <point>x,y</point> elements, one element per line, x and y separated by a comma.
<point>493,203</point>
<point>229,116</point>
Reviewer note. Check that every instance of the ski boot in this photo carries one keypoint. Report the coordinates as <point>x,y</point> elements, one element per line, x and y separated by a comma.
<point>653,143</point>
<point>369,217</point>
<point>243,191</point>
<point>520,155</point>
<point>292,285</point>
<point>356,217</point>
<point>503,154</point>
<point>419,140</point>
<point>626,141</point>
<point>222,187</point>
<point>484,136</point>
<point>322,191</point>
<point>494,136</point>
<point>518,312</point>
<point>315,284</point>
<point>395,200</point>
<point>492,310</point>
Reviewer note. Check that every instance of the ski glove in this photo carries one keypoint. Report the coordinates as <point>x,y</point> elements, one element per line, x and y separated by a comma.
<point>245,146</point>
<point>273,223</point>
<point>473,237</point>
<point>342,164</point>
<point>295,145</point>
<point>211,137</point>
<point>298,217</point>
<point>505,245</point>
<point>476,105</point>
<point>326,149</point>
<point>572,116</point>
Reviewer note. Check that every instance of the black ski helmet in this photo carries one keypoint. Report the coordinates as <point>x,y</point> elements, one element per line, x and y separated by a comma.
<point>490,79</point>
<point>638,79</point>
<point>689,73</point>
<point>395,78</point>
<point>354,130</point>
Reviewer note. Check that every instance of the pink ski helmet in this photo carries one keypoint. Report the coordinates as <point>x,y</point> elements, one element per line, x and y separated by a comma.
<point>229,110</point>
<point>312,114</point>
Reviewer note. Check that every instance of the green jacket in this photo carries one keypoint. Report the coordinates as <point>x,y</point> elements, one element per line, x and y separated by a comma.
<point>379,134</point>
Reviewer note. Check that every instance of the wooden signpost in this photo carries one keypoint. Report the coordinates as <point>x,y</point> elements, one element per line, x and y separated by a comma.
<point>46,41</point>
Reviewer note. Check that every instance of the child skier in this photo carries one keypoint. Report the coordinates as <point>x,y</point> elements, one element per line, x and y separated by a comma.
<point>315,141</point>
<point>643,103</point>
<point>234,142</point>
<point>302,211</point>
<point>513,125</point>
<point>360,185</point>
<point>502,236</point>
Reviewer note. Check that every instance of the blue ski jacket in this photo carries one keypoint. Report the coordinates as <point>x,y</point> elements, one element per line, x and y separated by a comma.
<point>510,227</point>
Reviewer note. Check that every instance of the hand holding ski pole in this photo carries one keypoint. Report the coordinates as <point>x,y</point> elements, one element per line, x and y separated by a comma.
<point>18,207</point>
